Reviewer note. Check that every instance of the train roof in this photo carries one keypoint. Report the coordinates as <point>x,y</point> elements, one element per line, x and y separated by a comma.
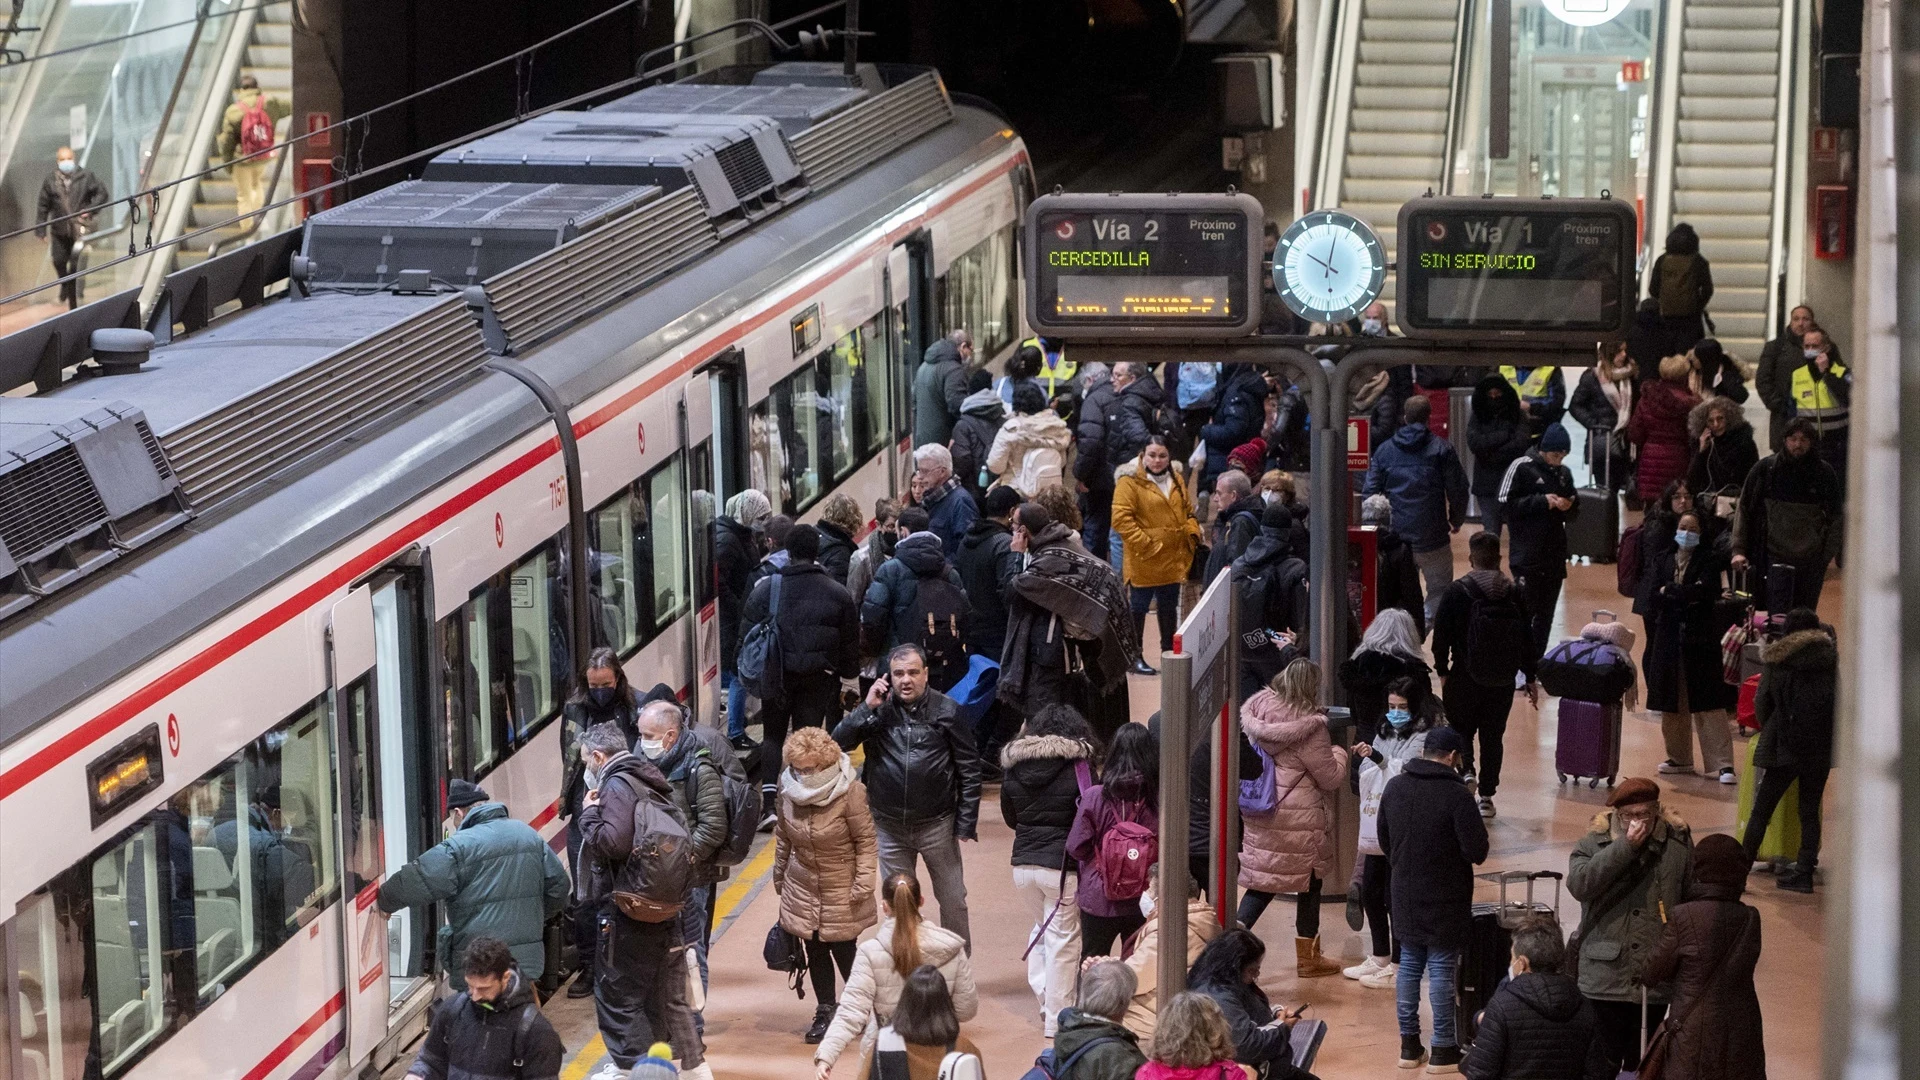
<point>246,392</point>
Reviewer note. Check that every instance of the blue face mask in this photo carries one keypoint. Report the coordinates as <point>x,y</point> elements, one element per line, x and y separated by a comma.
<point>1686,540</point>
<point>67,166</point>
<point>1399,717</point>
<point>602,695</point>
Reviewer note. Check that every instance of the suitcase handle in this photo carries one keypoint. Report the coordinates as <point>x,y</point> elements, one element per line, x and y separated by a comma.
<point>1506,878</point>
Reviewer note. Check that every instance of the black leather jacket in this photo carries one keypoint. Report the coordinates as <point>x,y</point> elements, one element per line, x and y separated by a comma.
<point>921,762</point>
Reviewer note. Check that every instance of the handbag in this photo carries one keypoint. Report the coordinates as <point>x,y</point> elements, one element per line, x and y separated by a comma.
<point>1734,641</point>
<point>783,952</point>
<point>1659,1047</point>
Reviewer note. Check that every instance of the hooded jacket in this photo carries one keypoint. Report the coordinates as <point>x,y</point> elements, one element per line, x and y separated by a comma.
<point>1022,434</point>
<point>951,511</point>
<point>497,877</point>
<point>836,552</point>
<point>607,827</point>
<point>1453,618</point>
<point>1133,416</point>
<point>873,987</point>
<point>1420,473</point>
<point>1237,418</point>
<point>1366,675</point>
<point>1680,278</point>
<point>1039,792</point>
<point>819,630</point>
<point>1281,849</point>
<point>1789,511</point>
<point>887,613</point>
<point>973,434</point>
<point>825,857</point>
<point>1090,434</point>
<point>1267,558</point>
<point>987,564</point>
<point>1232,532</point>
<point>1659,428</point>
<point>1433,836</point>
<point>1799,687</point>
<point>277,110</point>
<point>1143,1015</point>
<point>1773,379</point>
<point>870,556</point>
<point>1104,806</point>
<point>1538,544</point>
<point>1706,957</point>
<point>1063,592</point>
<point>1497,433</point>
<point>736,550</point>
<point>1118,1058</point>
<point>1729,456</point>
<point>921,764</point>
<point>1626,895</point>
<point>1539,1027</point>
<point>1157,529</point>
<point>469,1041</point>
<point>939,392</point>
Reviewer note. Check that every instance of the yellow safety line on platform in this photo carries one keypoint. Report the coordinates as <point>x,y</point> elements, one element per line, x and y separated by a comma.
<point>731,897</point>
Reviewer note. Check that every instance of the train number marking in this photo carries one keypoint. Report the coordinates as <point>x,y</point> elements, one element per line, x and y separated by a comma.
<point>557,492</point>
<point>499,531</point>
<point>173,735</point>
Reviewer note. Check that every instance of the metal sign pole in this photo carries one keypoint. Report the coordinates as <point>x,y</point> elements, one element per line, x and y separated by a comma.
<point>1176,699</point>
<point>1225,862</point>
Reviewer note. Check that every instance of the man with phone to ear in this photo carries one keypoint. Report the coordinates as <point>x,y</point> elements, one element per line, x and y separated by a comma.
<point>922,776</point>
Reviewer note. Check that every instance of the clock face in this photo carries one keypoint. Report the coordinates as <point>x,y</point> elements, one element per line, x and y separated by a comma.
<point>1329,266</point>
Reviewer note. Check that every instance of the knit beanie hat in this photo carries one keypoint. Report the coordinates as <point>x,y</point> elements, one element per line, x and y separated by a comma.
<point>1251,456</point>
<point>1555,440</point>
<point>657,1065</point>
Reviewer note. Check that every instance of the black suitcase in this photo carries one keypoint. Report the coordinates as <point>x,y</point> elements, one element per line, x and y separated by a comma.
<point>1780,583</point>
<point>1489,951</point>
<point>1594,533</point>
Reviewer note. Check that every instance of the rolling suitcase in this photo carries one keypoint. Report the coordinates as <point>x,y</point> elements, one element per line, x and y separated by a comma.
<point>1779,594</point>
<point>1782,842</point>
<point>1489,949</point>
<point>1594,532</point>
<point>1589,741</point>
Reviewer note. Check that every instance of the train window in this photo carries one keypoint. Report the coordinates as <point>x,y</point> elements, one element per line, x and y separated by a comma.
<point>797,407</point>
<point>127,897</point>
<point>475,709</point>
<point>618,601</point>
<point>838,380</point>
<point>47,1009</point>
<point>293,788</point>
<point>666,519</point>
<point>226,848</point>
<point>976,294</point>
<point>700,477</point>
<point>526,620</point>
<point>876,384</point>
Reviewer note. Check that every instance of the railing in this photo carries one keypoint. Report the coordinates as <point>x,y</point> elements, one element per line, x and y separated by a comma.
<point>1456,94</point>
<point>1345,57</point>
<point>1663,127</point>
<point>1789,162</point>
<point>1314,77</point>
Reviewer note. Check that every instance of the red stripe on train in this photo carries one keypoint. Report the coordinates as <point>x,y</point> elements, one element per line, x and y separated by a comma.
<point>292,1042</point>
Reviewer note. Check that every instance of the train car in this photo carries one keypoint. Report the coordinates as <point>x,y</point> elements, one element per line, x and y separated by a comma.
<point>230,708</point>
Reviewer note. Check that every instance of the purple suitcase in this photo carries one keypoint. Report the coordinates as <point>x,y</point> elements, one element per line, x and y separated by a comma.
<point>1589,742</point>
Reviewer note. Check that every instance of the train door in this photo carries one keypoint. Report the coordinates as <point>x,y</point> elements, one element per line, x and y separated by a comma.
<point>908,288</point>
<point>409,798</point>
<point>350,661</point>
<point>697,421</point>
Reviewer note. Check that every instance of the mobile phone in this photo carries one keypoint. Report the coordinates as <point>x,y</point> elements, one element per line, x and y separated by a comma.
<point>1301,1009</point>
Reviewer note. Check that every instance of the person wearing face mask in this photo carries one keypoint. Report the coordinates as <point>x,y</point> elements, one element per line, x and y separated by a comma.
<point>1537,1025</point>
<point>1822,390</point>
<point>875,550</point>
<point>819,632</point>
<point>1773,376</point>
<point>496,876</point>
<point>603,696</point>
<point>494,1028</point>
<point>1153,514</point>
<point>1411,710</point>
<point>69,190</point>
<point>736,551</point>
<point>1539,496</point>
<point>1543,395</point>
<point>699,793</point>
<point>1682,662</point>
<point>1420,475</point>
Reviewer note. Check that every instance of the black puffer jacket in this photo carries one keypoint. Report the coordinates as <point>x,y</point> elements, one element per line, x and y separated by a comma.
<point>1538,545</point>
<point>1039,794</point>
<point>1539,1027</point>
<point>1795,704</point>
<point>510,1040</point>
<point>1090,437</point>
<point>921,763</point>
<point>1238,416</point>
<point>1398,581</point>
<point>1133,415</point>
<point>579,714</point>
<point>819,631</point>
<point>836,552</point>
<point>736,548</point>
<point>887,610</point>
<point>987,564</point>
<point>1496,433</point>
<point>1365,677</point>
<point>1233,531</point>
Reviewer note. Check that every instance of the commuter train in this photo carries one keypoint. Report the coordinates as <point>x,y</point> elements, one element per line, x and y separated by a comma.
<point>218,742</point>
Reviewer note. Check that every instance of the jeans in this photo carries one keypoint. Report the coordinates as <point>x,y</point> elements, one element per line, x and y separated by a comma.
<point>1474,708</point>
<point>640,990</point>
<point>1376,896</point>
<point>61,251</point>
<point>695,926</point>
<point>1543,601</point>
<point>1440,966</point>
<point>1165,599</point>
<point>1773,787</point>
<point>1098,933</point>
<point>1436,573</point>
<point>1306,917</point>
<point>935,842</point>
<point>736,704</point>
<point>822,958</point>
<point>1053,967</point>
<point>807,701</point>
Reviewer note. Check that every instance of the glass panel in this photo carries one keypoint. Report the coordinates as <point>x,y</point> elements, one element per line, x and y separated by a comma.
<point>838,368</point>
<point>293,789</point>
<point>666,529</point>
<point>126,947</point>
<point>526,635</point>
<point>701,477</point>
<point>358,760</point>
<point>617,600</point>
<point>49,1012</point>
<point>802,420</point>
<point>767,441</point>
<point>873,384</point>
<point>224,855</point>
<point>977,294</point>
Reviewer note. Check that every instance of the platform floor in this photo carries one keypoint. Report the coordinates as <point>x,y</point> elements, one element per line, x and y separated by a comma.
<point>755,1024</point>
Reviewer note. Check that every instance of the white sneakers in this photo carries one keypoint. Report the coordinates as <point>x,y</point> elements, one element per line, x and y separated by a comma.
<point>1727,777</point>
<point>1671,767</point>
<point>610,1071</point>
<point>1382,979</point>
<point>1367,967</point>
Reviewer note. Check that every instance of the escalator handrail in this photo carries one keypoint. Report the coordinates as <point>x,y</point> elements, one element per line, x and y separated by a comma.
<point>1786,164</point>
<point>1663,127</point>
<point>1456,92</point>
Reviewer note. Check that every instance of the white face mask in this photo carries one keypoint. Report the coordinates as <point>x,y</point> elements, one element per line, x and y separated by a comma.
<point>1372,327</point>
<point>654,749</point>
<point>593,777</point>
<point>1146,904</point>
<point>1269,497</point>
<point>1810,353</point>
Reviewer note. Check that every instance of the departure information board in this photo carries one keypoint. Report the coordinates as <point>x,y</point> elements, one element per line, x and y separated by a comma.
<point>1552,269</point>
<point>1175,266</point>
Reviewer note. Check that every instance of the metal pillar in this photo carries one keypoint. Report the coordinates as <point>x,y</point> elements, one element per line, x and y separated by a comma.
<point>1176,722</point>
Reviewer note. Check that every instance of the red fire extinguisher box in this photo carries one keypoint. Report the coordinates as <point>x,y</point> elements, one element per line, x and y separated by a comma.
<point>1832,221</point>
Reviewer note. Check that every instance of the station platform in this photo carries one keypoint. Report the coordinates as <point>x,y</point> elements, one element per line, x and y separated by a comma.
<point>755,1024</point>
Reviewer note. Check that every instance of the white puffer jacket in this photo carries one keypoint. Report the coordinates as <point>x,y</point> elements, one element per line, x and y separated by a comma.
<point>873,988</point>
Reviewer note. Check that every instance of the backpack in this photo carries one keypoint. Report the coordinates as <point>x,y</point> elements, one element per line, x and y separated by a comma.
<point>761,665</point>
<point>1626,570</point>
<point>743,816</point>
<point>1044,1069</point>
<point>652,885</point>
<point>1586,671</point>
<point>256,127</point>
<point>1498,635</point>
<point>1039,469</point>
<point>959,1065</point>
<point>938,615</point>
<point>1678,286</point>
<point>1271,599</point>
<point>1125,858</point>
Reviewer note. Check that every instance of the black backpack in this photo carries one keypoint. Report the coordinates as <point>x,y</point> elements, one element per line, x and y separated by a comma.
<point>1270,598</point>
<point>1498,638</point>
<point>761,665</point>
<point>939,616</point>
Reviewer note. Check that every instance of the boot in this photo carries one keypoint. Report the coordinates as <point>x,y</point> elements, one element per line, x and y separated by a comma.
<point>1311,964</point>
<point>1412,1054</point>
<point>822,1020</point>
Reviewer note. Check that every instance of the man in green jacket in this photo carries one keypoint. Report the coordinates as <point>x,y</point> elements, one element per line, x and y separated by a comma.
<point>1629,872</point>
<point>700,794</point>
<point>497,877</point>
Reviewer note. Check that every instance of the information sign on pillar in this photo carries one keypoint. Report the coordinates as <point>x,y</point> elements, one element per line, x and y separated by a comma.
<point>1359,443</point>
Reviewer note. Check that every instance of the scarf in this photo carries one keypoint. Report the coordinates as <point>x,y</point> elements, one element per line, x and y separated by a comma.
<point>817,790</point>
<point>1617,385</point>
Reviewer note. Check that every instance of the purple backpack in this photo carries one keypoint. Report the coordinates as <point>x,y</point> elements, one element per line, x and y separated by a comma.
<point>1260,795</point>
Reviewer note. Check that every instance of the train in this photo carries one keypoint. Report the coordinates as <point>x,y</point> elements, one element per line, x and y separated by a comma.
<point>218,741</point>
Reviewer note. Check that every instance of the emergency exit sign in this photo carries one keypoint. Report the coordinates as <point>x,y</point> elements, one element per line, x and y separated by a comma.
<point>1359,439</point>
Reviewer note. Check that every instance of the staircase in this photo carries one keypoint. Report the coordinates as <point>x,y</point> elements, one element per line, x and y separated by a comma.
<point>1397,124</point>
<point>269,60</point>
<point>1723,156</point>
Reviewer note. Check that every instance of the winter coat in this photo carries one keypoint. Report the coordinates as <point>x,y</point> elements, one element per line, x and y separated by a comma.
<point>1101,808</point>
<point>1090,436</point>
<point>1540,410</point>
<point>1682,282</point>
<point>1008,458</point>
<point>1040,794</point>
<point>1683,637</point>
<point>1497,433</point>
<point>1420,474</point>
<point>1728,457</point>
<point>986,565</point>
<point>939,392</point>
<point>1707,956</point>
<point>1133,416</point>
<point>973,433</point>
<point>1065,600</point>
<point>1537,546</point>
<point>836,551</point>
<point>1799,686</point>
<point>1158,532</point>
<point>870,556</point>
<point>1659,429</point>
<point>1261,657</point>
<point>1281,849</point>
<point>824,857</point>
<point>230,121</point>
<point>923,1062</point>
<point>1453,618</point>
<point>921,765</point>
<point>1724,379</point>
<point>1242,395</point>
<point>1538,1027</point>
<point>70,193</point>
<point>1233,531</point>
<point>1365,677</point>
<point>951,512</point>
<point>873,987</point>
<point>1118,1058</point>
<point>736,551</point>
<point>1143,1016</point>
<point>1608,452</point>
<point>1789,511</point>
<point>468,1042</point>
<point>1433,836</point>
<point>607,827</point>
<point>498,879</point>
<point>577,716</point>
<point>887,613</point>
<point>1626,895</point>
<point>1248,1013</point>
<point>700,794</point>
<point>1397,583</point>
<point>819,627</point>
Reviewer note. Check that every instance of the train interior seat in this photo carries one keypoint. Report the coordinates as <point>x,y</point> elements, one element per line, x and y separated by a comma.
<point>216,914</point>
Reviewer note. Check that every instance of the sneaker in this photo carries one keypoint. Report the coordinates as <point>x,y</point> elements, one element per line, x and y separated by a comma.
<point>1412,1054</point>
<point>744,743</point>
<point>1673,768</point>
<point>822,1020</point>
<point>1727,777</point>
<point>1382,979</point>
<point>1486,808</point>
<point>609,1071</point>
<point>1795,880</point>
<point>1446,1059</point>
<point>1367,967</point>
<point>582,985</point>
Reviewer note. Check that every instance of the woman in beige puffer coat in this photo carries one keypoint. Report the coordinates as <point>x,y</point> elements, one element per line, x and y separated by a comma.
<point>1290,849</point>
<point>824,861</point>
<point>880,969</point>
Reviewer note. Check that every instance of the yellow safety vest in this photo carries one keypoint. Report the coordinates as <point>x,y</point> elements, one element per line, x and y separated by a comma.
<point>1813,400</point>
<point>1535,386</point>
<point>1055,368</point>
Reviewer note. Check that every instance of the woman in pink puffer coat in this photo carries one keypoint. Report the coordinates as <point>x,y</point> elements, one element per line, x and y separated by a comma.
<point>1289,849</point>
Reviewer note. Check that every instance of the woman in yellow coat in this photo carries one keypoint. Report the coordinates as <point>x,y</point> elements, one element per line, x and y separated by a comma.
<point>1153,514</point>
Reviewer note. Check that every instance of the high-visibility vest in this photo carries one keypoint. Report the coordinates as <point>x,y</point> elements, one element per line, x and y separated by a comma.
<point>1055,368</point>
<point>1535,386</point>
<point>1813,400</point>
